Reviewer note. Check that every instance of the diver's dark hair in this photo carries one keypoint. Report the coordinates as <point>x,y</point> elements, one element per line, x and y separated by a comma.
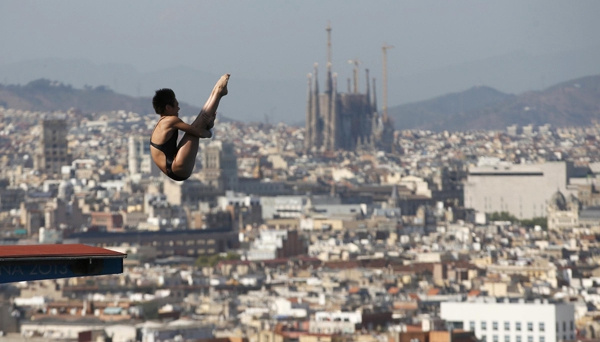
<point>162,98</point>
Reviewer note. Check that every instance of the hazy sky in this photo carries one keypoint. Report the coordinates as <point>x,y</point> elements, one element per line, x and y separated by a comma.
<point>281,39</point>
<point>270,39</point>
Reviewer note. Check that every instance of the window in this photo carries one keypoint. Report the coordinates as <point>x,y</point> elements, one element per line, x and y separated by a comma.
<point>507,326</point>
<point>472,325</point>
<point>518,326</point>
<point>542,339</point>
<point>565,326</point>
<point>483,338</point>
<point>495,326</point>
<point>495,338</point>
<point>483,325</point>
<point>529,338</point>
<point>542,327</point>
<point>572,328</point>
<point>519,338</point>
<point>556,326</point>
<point>506,338</point>
<point>529,326</point>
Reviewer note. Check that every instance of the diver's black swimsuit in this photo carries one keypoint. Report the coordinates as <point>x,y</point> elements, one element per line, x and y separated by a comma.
<point>169,148</point>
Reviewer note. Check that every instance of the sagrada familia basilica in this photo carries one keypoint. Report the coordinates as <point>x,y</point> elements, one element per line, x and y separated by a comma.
<point>344,121</point>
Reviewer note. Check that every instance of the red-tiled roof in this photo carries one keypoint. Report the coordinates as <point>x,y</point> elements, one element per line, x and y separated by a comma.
<point>414,296</point>
<point>354,289</point>
<point>414,328</point>
<point>341,264</point>
<point>56,251</point>
<point>393,290</point>
<point>274,261</point>
<point>474,293</point>
<point>433,292</point>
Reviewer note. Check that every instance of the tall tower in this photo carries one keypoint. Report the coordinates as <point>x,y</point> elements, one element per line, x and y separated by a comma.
<point>308,137</point>
<point>219,165</point>
<point>328,111</point>
<point>328,85</point>
<point>316,121</point>
<point>53,146</point>
<point>139,159</point>
<point>334,120</point>
<point>134,155</point>
<point>384,48</point>
<point>387,136</point>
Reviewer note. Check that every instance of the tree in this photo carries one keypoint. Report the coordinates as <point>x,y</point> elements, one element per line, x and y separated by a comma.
<point>503,216</point>
<point>212,260</point>
<point>536,221</point>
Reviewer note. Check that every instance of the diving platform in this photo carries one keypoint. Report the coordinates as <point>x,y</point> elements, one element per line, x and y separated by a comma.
<point>37,262</point>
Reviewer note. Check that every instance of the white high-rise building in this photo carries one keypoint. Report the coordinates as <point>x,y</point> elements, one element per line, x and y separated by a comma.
<point>523,190</point>
<point>501,320</point>
<point>139,158</point>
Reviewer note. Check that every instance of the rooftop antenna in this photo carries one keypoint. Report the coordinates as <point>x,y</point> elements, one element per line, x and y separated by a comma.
<point>384,48</point>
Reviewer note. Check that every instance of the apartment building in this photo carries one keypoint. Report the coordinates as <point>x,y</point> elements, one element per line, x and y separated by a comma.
<point>503,320</point>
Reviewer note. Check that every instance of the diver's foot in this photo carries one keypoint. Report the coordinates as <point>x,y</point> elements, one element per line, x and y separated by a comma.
<point>206,118</point>
<point>220,88</point>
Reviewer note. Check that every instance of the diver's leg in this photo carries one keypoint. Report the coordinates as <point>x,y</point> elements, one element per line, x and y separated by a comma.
<point>185,159</point>
<point>206,118</point>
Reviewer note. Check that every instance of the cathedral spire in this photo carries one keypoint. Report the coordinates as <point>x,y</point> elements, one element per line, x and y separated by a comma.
<point>317,133</point>
<point>333,140</point>
<point>374,101</point>
<point>328,81</point>
<point>316,89</point>
<point>368,86</point>
<point>309,115</point>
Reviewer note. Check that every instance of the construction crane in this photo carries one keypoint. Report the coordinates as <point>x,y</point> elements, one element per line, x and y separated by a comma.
<point>328,29</point>
<point>384,48</point>
<point>356,63</point>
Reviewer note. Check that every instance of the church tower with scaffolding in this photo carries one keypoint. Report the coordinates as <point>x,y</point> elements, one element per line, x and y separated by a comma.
<point>341,121</point>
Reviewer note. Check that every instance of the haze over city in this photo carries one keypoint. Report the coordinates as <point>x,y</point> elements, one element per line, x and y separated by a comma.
<point>136,47</point>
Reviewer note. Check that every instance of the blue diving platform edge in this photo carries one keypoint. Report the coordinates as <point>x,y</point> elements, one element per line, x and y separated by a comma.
<point>38,262</point>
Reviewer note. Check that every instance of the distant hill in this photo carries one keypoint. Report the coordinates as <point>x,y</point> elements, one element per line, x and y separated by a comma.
<point>49,96</point>
<point>434,113</point>
<point>571,103</point>
<point>283,98</point>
